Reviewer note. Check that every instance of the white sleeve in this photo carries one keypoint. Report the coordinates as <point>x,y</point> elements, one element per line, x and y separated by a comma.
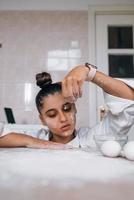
<point>120,116</point>
<point>5,131</point>
<point>26,129</point>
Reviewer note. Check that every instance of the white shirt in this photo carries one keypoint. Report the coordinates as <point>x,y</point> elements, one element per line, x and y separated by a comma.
<point>118,121</point>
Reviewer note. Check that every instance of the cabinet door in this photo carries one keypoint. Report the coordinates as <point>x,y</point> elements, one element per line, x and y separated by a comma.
<point>114,48</point>
<point>115,45</point>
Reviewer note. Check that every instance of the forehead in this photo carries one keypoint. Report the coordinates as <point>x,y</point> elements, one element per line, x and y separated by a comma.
<point>53,101</point>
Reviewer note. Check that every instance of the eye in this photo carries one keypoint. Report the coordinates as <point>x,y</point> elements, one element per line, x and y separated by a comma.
<point>52,114</point>
<point>67,107</point>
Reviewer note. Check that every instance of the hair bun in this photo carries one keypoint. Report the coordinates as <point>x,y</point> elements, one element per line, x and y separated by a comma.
<point>43,79</point>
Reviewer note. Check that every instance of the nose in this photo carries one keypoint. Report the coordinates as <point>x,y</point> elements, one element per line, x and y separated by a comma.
<point>62,116</point>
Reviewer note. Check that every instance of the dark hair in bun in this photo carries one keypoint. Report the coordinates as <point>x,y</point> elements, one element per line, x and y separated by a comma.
<point>44,81</point>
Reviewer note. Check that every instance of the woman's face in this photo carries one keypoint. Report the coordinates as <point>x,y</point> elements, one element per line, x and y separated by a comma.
<point>60,117</point>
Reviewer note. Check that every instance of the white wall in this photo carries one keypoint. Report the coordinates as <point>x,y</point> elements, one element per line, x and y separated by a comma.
<point>56,4</point>
<point>36,41</point>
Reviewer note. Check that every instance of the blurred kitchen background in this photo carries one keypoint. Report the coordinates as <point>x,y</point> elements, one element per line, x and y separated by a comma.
<point>55,36</point>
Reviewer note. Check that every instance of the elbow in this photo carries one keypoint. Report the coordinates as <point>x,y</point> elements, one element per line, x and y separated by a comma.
<point>7,140</point>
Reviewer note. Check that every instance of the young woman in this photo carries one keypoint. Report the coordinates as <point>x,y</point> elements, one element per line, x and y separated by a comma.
<point>56,105</point>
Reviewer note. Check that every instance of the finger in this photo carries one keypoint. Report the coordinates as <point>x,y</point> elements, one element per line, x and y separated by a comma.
<point>39,144</point>
<point>61,146</point>
<point>67,93</point>
<point>69,84</point>
<point>80,87</point>
<point>64,87</point>
<point>69,89</point>
<point>58,146</point>
<point>75,88</point>
<point>80,94</point>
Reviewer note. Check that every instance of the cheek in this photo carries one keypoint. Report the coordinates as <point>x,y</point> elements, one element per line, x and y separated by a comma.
<point>72,117</point>
<point>51,123</point>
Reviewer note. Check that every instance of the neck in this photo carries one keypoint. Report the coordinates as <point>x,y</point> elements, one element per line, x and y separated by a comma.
<point>60,139</point>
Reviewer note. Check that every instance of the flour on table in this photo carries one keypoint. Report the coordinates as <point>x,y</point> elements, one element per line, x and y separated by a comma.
<point>64,167</point>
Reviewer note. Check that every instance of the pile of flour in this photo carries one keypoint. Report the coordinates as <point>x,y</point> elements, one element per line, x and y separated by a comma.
<point>64,167</point>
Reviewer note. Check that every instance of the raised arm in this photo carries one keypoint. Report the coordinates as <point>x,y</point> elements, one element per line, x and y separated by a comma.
<point>22,140</point>
<point>72,84</point>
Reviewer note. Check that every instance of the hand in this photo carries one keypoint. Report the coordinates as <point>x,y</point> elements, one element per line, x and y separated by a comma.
<point>72,83</point>
<point>42,144</point>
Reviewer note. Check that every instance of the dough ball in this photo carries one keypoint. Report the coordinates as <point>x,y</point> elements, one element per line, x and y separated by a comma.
<point>111,148</point>
<point>129,150</point>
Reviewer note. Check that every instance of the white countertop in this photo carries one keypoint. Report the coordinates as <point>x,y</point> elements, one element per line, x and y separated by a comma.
<point>34,173</point>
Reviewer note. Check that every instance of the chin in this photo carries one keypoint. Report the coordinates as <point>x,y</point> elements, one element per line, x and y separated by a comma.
<point>67,133</point>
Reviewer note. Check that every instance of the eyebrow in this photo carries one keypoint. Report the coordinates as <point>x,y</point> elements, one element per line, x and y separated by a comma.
<point>53,109</point>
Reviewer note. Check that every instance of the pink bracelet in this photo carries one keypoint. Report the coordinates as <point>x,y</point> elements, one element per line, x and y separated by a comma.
<point>92,71</point>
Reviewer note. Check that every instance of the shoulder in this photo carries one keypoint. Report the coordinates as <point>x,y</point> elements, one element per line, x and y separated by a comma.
<point>81,129</point>
<point>86,136</point>
<point>88,131</point>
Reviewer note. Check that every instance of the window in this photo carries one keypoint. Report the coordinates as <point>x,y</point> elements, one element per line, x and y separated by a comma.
<point>120,37</point>
<point>120,59</point>
<point>121,66</point>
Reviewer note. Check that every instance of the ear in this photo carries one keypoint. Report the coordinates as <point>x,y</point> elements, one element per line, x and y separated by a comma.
<point>42,120</point>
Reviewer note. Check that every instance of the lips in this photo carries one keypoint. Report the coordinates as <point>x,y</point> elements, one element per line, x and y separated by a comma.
<point>65,127</point>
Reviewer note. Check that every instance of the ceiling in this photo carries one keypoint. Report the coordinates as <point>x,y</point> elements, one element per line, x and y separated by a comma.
<point>57,4</point>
